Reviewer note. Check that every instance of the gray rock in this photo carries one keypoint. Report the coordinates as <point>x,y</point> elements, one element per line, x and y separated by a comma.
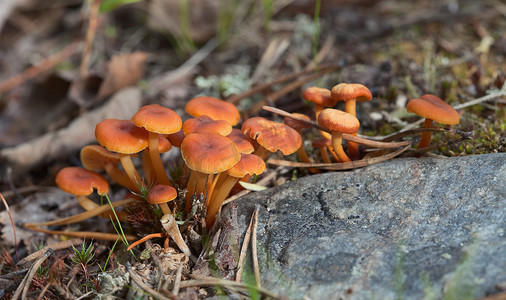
<point>404,229</point>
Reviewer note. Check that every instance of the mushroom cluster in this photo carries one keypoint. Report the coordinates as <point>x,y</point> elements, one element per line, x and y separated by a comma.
<point>215,154</point>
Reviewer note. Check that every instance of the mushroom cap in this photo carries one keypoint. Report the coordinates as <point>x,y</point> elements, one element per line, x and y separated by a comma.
<point>121,136</point>
<point>248,165</point>
<point>176,138</point>
<point>243,143</point>
<point>296,124</point>
<point>209,153</point>
<point>164,144</point>
<point>319,95</point>
<point>161,193</point>
<point>156,118</point>
<point>206,124</point>
<point>95,157</point>
<point>81,182</point>
<point>321,142</point>
<point>431,107</point>
<point>215,108</point>
<point>271,135</point>
<point>349,91</point>
<point>337,120</point>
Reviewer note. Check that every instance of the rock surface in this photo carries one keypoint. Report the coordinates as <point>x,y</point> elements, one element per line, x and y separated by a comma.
<point>404,229</point>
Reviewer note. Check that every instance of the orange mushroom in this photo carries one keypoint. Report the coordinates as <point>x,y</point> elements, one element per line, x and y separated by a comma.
<point>123,137</point>
<point>271,136</point>
<point>350,93</point>
<point>157,120</point>
<point>204,154</point>
<point>176,138</point>
<point>160,194</point>
<point>323,143</point>
<point>298,126</point>
<point>243,143</point>
<point>338,122</point>
<point>249,164</point>
<point>321,98</point>
<point>432,109</point>
<point>215,108</point>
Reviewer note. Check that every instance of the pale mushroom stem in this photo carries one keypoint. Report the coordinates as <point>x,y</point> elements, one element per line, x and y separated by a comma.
<point>262,152</point>
<point>216,182</point>
<point>196,185</point>
<point>165,208</point>
<point>350,107</point>
<point>88,205</point>
<point>147,166</point>
<point>156,160</point>
<point>338,147</point>
<point>170,226</point>
<point>218,198</point>
<point>130,170</point>
<point>424,142</point>
<point>324,154</point>
<point>118,176</point>
<point>301,152</point>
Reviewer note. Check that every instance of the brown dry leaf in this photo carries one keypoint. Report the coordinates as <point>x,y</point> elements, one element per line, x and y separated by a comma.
<point>123,70</point>
<point>77,134</point>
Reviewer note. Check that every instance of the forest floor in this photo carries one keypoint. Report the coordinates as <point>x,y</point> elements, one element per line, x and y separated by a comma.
<point>64,60</point>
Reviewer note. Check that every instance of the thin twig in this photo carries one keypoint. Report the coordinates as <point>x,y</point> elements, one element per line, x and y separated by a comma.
<point>144,286</point>
<point>39,68</point>
<point>348,137</point>
<point>339,166</point>
<point>90,36</point>
<point>418,131</point>
<point>244,249</point>
<point>86,234</point>
<point>256,268</point>
<point>25,283</point>
<point>177,280</point>
<point>236,98</point>
<point>12,222</point>
<point>55,246</point>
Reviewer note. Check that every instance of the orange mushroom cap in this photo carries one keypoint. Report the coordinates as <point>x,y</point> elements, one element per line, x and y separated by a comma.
<point>319,95</point>
<point>121,136</point>
<point>337,120</point>
<point>161,193</point>
<point>209,153</point>
<point>321,142</point>
<point>156,118</point>
<point>206,124</point>
<point>95,157</point>
<point>81,182</point>
<point>349,91</point>
<point>243,143</point>
<point>272,136</point>
<point>248,165</point>
<point>215,108</point>
<point>433,108</point>
<point>164,144</point>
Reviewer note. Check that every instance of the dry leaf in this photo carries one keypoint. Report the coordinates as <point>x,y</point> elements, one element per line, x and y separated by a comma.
<point>123,70</point>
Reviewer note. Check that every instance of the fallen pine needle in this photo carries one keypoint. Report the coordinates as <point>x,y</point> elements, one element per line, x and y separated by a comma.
<point>211,281</point>
<point>256,268</point>
<point>144,286</point>
<point>244,249</point>
<point>339,166</point>
<point>12,221</point>
<point>25,283</point>
<point>86,234</point>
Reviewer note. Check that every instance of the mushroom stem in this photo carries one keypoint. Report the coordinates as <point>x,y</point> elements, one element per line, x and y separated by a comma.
<point>130,170</point>
<point>262,152</point>
<point>170,226</point>
<point>196,185</point>
<point>148,168</point>
<point>156,160</point>
<point>350,107</point>
<point>317,110</point>
<point>424,142</point>
<point>324,154</point>
<point>218,198</point>
<point>118,176</point>
<point>338,147</point>
<point>88,205</point>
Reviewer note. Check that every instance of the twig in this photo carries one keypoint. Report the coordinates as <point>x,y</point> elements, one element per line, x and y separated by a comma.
<point>90,36</point>
<point>25,283</point>
<point>39,68</point>
<point>256,268</point>
<point>144,286</point>
<point>324,68</point>
<point>418,131</point>
<point>55,246</point>
<point>177,280</point>
<point>211,281</point>
<point>339,166</point>
<point>489,97</point>
<point>170,226</point>
<point>86,234</point>
<point>244,249</point>
<point>348,137</point>
<point>12,222</point>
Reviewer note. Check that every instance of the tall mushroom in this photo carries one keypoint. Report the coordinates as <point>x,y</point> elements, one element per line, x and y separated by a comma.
<point>350,93</point>
<point>123,137</point>
<point>157,120</point>
<point>432,109</point>
<point>338,122</point>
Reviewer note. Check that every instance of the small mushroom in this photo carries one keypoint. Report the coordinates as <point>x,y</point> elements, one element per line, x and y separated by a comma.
<point>432,109</point>
<point>338,122</point>
<point>157,120</point>
<point>160,194</point>
<point>206,124</point>
<point>350,93</point>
